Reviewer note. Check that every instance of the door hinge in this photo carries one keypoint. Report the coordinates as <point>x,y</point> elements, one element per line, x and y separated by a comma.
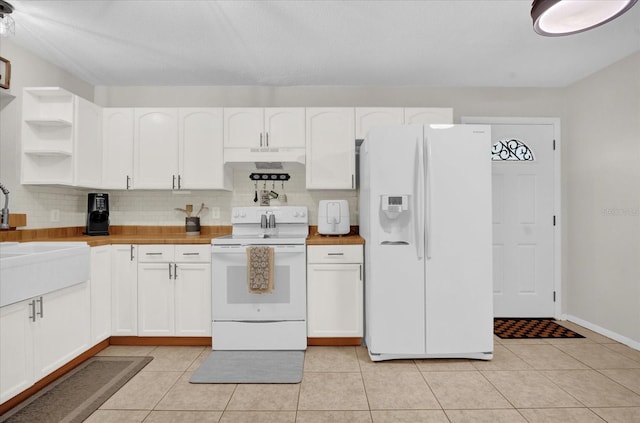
<point>554,220</point>
<point>554,145</point>
<point>554,296</point>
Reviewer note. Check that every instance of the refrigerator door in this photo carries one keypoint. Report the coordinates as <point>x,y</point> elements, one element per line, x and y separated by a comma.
<point>459,310</point>
<point>391,197</point>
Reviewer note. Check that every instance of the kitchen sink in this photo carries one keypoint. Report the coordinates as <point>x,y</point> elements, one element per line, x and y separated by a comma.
<point>31,269</point>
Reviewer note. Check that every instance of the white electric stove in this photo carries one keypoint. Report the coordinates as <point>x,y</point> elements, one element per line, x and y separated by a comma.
<point>245,320</point>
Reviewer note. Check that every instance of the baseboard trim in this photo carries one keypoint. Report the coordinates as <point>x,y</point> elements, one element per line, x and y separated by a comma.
<point>604,332</point>
<point>172,341</point>
<point>334,342</point>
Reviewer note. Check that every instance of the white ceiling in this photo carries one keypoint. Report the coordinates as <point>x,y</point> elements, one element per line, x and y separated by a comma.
<point>458,43</point>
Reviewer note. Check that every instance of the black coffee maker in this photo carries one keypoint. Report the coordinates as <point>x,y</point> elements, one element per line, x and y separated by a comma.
<point>98,214</point>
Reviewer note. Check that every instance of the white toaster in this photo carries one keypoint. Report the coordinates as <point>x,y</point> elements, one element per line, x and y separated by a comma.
<point>333,217</point>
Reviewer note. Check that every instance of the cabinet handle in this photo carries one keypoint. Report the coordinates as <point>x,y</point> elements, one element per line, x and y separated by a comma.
<point>360,272</point>
<point>190,254</point>
<point>131,253</point>
<point>173,183</point>
<point>267,137</point>
<point>170,275</point>
<point>152,254</point>
<point>41,313</point>
<point>179,181</point>
<point>353,181</point>
<point>128,179</point>
<point>260,139</point>
<point>32,316</point>
<point>175,271</point>
<point>335,254</point>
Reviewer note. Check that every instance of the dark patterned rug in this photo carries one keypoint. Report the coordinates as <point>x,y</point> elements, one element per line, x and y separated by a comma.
<point>77,394</point>
<point>506,328</point>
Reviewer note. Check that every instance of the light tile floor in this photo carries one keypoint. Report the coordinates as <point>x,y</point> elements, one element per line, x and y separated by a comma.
<point>567,380</point>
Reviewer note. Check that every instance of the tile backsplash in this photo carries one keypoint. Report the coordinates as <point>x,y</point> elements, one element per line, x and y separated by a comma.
<point>157,207</point>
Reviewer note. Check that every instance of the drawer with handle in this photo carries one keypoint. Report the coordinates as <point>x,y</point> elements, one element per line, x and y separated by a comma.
<point>151,253</point>
<point>334,254</point>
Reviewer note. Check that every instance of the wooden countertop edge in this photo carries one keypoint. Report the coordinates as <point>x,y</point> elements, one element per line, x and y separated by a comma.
<point>158,235</point>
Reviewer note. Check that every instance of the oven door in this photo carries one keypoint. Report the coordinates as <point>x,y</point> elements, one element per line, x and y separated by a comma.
<point>231,299</point>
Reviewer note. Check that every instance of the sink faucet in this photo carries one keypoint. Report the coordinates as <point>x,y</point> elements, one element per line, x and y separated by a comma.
<point>5,210</point>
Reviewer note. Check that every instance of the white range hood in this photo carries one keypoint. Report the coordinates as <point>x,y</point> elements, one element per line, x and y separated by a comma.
<point>264,159</point>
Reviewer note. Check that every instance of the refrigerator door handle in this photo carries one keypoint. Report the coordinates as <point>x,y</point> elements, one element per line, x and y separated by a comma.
<point>419,200</point>
<point>427,217</point>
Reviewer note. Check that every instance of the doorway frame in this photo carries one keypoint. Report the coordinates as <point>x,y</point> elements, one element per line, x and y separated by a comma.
<point>557,187</point>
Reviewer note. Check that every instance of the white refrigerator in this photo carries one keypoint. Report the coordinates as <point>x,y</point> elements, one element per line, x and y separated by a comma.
<point>425,215</point>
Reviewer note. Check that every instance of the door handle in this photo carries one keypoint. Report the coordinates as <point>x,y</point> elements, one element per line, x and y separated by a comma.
<point>175,271</point>
<point>131,253</point>
<point>32,316</point>
<point>128,179</point>
<point>41,313</point>
<point>170,275</point>
<point>173,183</point>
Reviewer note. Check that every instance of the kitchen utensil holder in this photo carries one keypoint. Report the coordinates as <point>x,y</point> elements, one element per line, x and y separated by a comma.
<point>192,225</point>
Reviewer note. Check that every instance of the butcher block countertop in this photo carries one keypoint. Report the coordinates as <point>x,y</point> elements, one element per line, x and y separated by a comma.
<point>352,238</point>
<point>157,235</point>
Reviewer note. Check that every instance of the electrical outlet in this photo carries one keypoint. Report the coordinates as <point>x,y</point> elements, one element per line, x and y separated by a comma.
<point>215,212</point>
<point>55,215</point>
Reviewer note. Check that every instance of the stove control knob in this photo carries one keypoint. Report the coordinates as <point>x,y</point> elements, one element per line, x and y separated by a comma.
<point>302,213</point>
<point>296,214</point>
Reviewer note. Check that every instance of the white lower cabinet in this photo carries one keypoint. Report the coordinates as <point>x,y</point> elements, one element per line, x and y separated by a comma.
<point>39,335</point>
<point>100,293</point>
<point>124,290</point>
<point>174,290</point>
<point>334,291</point>
<point>16,349</point>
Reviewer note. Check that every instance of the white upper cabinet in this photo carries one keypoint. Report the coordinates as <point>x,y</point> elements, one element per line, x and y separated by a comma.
<point>117,148</point>
<point>179,149</point>
<point>61,138</point>
<point>428,115</point>
<point>88,144</point>
<point>155,152</point>
<point>330,148</point>
<point>368,117</point>
<point>200,153</point>
<point>260,128</point>
<point>284,127</point>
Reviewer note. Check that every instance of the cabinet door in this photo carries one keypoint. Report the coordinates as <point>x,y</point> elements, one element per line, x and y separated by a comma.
<point>124,290</point>
<point>428,115</point>
<point>155,164</point>
<point>192,288</point>
<point>88,144</point>
<point>334,305</point>
<point>62,329</point>
<point>244,127</point>
<point>155,299</point>
<point>330,148</point>
<point>201,148</point>
<point>117,139</point>
<point>16,349</point>
<point>284,127</point>
<point>368,117</point>
<point>100,293</point>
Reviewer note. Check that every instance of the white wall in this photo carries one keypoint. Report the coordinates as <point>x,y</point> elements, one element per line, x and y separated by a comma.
<point>602,172</point>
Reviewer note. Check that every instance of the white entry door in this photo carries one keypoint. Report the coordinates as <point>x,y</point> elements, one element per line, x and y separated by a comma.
<point>523,218</point>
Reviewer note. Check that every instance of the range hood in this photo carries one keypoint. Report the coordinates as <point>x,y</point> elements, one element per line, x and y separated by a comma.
<point>264,159</point>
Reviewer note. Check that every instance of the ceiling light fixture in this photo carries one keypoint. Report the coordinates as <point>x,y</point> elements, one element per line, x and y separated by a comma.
<point>7,24</point>
<point>564,17</point>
